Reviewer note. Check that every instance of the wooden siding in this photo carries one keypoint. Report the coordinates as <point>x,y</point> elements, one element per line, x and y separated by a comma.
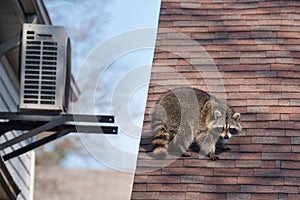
<point>21,168</point>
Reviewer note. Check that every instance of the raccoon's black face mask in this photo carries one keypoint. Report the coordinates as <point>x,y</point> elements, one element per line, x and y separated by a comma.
<point>226,126</point>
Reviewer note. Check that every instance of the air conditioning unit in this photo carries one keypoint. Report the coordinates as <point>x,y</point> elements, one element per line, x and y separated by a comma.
<point>45,68</point>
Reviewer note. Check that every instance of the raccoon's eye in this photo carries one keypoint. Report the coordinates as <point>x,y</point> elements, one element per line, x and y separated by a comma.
<point>233,130</point>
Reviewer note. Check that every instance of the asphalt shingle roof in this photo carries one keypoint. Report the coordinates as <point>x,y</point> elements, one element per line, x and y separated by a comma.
<point>255,46</point>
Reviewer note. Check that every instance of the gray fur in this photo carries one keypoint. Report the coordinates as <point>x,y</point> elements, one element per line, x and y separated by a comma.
<point>189,115</point>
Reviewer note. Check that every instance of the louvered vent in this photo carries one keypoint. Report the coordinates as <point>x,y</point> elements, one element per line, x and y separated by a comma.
<point>45,68</point>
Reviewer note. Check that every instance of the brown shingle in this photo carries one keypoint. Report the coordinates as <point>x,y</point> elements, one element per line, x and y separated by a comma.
<point>255,46</point>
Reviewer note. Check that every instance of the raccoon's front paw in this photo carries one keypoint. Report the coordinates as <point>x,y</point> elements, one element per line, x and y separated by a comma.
<point>227,149</point>
<point>214,158</point>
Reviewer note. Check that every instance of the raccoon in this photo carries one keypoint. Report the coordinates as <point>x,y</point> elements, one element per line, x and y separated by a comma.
<point>186,115</point>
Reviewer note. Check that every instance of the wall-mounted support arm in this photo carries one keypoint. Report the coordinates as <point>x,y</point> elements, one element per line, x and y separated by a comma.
<point>61,125</point>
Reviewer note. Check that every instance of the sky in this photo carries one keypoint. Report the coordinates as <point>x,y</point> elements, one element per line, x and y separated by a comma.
<point>112,51</point>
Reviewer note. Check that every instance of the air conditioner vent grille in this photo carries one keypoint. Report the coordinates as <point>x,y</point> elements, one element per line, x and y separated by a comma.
<point>40,66</point>
<point>44,67</point>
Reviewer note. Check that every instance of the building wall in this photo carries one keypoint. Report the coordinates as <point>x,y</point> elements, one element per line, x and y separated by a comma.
<point>22,167</point>
<point>246,52</point>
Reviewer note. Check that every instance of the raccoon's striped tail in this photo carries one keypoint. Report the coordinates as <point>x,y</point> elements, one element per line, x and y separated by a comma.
<point>160,143</point>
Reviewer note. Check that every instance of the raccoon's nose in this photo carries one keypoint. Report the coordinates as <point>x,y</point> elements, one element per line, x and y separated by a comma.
<point>226,137</point>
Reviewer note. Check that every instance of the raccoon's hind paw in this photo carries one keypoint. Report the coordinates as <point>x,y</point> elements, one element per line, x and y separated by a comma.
<point>160,153</point>
<point>186,154</point>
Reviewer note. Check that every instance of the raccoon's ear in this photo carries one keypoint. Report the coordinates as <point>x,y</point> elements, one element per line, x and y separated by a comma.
<point>236,116</point>
<point>217,114</point>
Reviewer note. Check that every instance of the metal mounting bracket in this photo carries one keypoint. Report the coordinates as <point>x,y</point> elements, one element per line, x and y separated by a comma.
<point>61,125</point>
